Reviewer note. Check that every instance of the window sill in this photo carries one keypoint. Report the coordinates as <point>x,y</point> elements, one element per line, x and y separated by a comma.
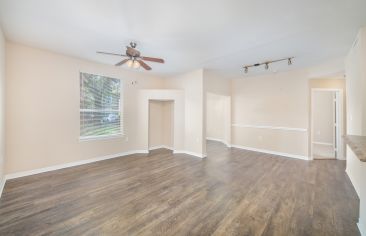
<point>101,137</point>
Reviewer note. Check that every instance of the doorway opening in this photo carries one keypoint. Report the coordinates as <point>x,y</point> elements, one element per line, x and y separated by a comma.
<point>218,118</point>
<point>326,124</point>
<point>161,124</point>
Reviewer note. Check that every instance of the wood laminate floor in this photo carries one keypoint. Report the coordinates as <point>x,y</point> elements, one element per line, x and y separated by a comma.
<point>232,192</point>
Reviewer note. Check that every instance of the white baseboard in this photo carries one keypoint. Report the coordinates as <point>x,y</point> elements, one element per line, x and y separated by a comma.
<point>138,152</point>
<point>179,151</point>
<point>218,140</point>
<point>71,164</point>
<point>215,139</point>
<point>361,228</point>
<point>190,153</point>
<point>2,185</point>
<point>272,152</point>
<point>160,146</point>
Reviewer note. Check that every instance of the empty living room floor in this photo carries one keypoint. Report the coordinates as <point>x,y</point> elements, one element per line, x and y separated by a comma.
<point>231,192</point>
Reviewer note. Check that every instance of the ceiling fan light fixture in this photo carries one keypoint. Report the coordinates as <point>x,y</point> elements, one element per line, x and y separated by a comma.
<point>136,65</point>
<point>130,63</point>
<point>133,58</point>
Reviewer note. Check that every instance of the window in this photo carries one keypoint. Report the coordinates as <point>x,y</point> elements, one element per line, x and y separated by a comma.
<point>100,108</point>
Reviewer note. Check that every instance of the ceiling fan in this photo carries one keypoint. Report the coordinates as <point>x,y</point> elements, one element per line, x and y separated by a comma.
<point>134,58</point>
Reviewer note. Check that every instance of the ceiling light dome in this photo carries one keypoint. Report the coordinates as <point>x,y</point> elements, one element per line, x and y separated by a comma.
<point>136,64</point>
<point>130,63</point>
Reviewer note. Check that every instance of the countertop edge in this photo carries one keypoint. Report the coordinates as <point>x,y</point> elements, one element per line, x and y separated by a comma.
<point>357,145</point>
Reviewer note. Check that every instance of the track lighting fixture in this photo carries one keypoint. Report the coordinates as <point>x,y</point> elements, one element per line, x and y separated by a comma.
<point>266,64</point>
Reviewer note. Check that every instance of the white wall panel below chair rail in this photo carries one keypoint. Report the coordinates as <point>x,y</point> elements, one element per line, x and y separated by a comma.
<point>272,139</point>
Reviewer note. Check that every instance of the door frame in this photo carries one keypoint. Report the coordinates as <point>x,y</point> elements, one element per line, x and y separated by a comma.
<point>339,117</point>
<point>142,134</point>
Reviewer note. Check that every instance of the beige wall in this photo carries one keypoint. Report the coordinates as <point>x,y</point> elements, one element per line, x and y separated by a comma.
<point>214,83</point>
<point>192,85</point>
<point>42,109</point>
<point>2,105</point>
<point>161,124</point>
<point>356,86</point>
<point>328,83</point>
<point>263,107</point>
<point>156,126</point>
<point>323,110</point>
<point>215,117</point>
<point>168,124</point>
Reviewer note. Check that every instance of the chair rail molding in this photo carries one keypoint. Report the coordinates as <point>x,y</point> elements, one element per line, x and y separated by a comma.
<point>270,127</point>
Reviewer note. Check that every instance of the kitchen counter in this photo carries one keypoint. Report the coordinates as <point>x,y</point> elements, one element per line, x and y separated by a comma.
<point>357,145</point>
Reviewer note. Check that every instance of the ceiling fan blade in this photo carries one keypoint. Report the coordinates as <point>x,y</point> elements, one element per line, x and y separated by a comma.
<point>113,54</point>
<point>122,62</point>
<point>144,65</point>
<point>153,59</point>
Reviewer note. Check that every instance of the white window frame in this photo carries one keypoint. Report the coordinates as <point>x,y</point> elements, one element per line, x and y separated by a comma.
<point>109,136</point>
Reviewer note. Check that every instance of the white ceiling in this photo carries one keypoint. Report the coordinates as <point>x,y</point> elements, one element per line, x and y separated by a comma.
<point>220,35</point>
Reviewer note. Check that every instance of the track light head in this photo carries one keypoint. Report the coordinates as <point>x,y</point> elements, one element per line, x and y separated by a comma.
<point>246,70</point>
<point>289,61</point>
<point>266,66</point>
